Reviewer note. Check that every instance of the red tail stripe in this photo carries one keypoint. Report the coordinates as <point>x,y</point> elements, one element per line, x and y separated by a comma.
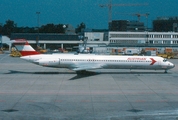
<point>25,53</point>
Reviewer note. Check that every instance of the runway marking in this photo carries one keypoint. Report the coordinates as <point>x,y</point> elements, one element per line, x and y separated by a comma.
<point>59,101</point>
<point>163,100</point>
<point>30,101</point>
<point>85,101</point>
<point>80,93</point>
<point>2,100</point>
<point>113,101</point>
<point>141,101</point>
<point>3,57</point>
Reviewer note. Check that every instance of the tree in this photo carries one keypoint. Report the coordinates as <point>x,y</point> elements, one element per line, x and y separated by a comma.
<point>9,27</point>
<point>51,28</point>
<point>60,28</point>
<point>80,27</point>
<point>1,29</point>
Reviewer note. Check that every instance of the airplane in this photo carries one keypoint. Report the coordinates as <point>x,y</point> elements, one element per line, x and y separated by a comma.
<point>84,62</point>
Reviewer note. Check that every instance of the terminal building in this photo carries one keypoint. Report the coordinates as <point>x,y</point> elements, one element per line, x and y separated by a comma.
<point>165,24</point>
<point>104,41</point>
<point>122,34</point>
<point>126,25</point>
<point>49,40</point>
<point>138,40</point>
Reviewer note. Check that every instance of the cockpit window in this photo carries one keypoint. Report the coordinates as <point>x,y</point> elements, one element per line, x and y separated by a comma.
<point>165,60</point>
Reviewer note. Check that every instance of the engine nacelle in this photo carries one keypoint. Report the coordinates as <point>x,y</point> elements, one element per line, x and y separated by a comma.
<point>49,62</point>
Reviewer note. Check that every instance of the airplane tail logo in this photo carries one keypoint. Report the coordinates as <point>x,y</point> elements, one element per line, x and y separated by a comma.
<point>24,48</point>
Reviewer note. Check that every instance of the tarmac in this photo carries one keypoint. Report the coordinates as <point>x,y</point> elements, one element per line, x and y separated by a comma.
<point>31,92</point>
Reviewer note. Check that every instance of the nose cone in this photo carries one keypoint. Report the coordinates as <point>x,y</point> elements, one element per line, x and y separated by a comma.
<point>172,65</point>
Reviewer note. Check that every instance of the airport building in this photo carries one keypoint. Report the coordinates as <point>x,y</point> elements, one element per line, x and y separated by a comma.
<point>121,34</point>
<point>139,40</point>
<point>143,39</point>
<point>126,25</point>
<point>165,24</point>
<point>105,41</point>
<point>49,40</point>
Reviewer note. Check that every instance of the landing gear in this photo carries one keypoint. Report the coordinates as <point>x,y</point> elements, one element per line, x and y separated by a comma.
<point>165,71</point>
<point>84,72</point>
<point>81,72</point>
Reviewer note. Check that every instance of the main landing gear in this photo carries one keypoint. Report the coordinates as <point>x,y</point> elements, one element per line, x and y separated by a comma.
<point>84,72</point>
<point>81,72</point>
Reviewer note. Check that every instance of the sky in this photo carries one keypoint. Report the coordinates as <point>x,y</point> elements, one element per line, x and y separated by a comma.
<point>74,12</point>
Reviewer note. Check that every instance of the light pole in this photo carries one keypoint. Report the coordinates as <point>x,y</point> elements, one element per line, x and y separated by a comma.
<point>1,47</point>
<point>38,22</point>
<point>147,41</point>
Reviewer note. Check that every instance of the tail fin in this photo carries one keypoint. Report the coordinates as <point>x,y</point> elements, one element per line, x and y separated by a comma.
<point>24,48</point>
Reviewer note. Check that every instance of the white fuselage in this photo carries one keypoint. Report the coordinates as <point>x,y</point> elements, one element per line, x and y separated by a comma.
<point>89,61</point>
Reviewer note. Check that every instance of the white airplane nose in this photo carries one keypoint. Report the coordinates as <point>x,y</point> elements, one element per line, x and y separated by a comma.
<point>170,65</point>
<point>173,65</point>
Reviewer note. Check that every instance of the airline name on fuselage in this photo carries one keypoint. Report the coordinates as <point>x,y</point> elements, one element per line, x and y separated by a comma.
<point>139,59</point>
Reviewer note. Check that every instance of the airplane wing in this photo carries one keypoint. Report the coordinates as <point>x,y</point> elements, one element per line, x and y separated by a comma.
<point>87,67</point>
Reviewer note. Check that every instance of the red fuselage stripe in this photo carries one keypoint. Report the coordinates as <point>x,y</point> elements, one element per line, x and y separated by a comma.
<point>153,61</point>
